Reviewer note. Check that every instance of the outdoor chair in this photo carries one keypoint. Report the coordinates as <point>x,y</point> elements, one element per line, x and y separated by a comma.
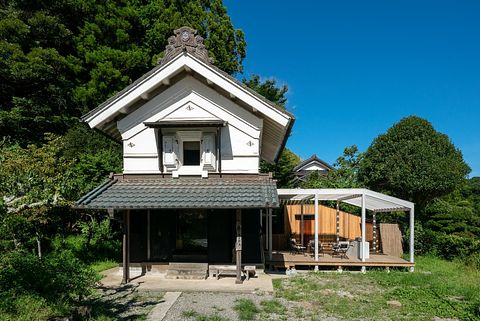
<point>295,248</point>
<point>341,249</point>
<point>311,247</point>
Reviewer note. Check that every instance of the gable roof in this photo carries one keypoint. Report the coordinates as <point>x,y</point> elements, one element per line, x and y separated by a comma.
<point>193,60</point>
<point>312,159</point>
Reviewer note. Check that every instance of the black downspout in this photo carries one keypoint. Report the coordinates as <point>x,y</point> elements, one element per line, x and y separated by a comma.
<point>160,149</point>
<point>219,148</point>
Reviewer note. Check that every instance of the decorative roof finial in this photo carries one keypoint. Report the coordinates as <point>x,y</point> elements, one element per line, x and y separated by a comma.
<point>185,40</point>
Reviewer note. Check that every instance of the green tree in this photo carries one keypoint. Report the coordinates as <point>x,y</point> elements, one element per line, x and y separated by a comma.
<point>413,161</point>
<point>60,59</point>
<point>343,175</point>
<point>283,170</point>
<point>268,88</point>
<point>456,213</point>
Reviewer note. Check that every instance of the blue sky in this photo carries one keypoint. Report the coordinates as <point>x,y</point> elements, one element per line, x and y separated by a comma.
<point>354,68</point>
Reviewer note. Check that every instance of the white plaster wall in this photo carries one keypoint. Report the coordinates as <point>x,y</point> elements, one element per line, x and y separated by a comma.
<point>240,139</point>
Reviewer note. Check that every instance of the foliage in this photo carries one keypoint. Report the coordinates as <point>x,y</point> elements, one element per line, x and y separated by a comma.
<point>283,170</point>
<point>450,246</point>
<point>343,175</point>
<point>29,307</point>
<point>58,276</point>
<point>453,214</point>
<point>438,289</point>
<point>60,59</point>
<point>413,161</point>
<point>96,241</point>
<point>246,309</point>
<point>268,88</point>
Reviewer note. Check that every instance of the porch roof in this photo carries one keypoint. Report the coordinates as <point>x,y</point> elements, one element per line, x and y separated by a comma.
<point>182,193</point>
<point>374,201</point>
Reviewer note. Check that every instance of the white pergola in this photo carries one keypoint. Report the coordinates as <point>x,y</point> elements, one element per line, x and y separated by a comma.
<point>360,197</point>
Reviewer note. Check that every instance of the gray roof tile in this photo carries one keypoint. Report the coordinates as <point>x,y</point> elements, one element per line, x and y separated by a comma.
<point>170,193</point>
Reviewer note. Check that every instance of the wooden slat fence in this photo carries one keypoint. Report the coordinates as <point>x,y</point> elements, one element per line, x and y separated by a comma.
<point>350,225</point>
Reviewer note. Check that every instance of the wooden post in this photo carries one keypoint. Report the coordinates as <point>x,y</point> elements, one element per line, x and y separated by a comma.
<point>338,221</point>
<point>270,245</point>
<point>238,246</point>
<point>126,247</point>
<point>302,224</point>
<point>149,254</point>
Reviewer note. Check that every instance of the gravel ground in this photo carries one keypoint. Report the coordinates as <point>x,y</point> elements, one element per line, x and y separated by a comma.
<point>195,305</point>
<point>208,303</point>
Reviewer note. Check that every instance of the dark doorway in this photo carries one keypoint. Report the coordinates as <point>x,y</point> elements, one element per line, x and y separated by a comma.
<point>191,241</point>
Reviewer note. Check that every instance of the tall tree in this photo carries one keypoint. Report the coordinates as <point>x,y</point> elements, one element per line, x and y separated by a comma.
<point>283,170</point>
<point>268,88</point>
<point>413,161</point>
<point>59,59</point>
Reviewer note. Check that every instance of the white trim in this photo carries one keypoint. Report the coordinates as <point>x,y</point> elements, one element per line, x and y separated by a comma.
<point>374,201</point>
<point>178,64</point>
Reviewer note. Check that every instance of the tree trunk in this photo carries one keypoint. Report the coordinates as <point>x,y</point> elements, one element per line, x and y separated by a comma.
<point>39,246</point>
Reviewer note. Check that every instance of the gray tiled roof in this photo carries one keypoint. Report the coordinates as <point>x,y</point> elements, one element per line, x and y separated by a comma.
<point>171,193</point>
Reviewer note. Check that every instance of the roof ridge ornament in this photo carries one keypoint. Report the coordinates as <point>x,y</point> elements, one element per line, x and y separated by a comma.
<point>185,40</point>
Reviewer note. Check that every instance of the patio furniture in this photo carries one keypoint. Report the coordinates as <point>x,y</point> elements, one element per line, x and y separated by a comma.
<point>341,249</point>
<point>311,248</point>
<point>295,248</point>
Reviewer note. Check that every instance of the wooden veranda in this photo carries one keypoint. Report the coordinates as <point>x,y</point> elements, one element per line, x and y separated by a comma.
<point>287,260</point>
<point>366,200</point>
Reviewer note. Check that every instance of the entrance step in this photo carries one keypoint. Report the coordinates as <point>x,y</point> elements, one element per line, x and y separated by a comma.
<point>187,271</point>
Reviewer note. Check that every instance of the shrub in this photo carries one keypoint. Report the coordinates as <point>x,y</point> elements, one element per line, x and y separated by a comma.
<point>449,246</point>
<point>55,277</point>
<point>96,242</point>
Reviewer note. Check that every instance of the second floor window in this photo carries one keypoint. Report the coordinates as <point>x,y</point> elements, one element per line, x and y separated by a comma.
<point>191,153</point>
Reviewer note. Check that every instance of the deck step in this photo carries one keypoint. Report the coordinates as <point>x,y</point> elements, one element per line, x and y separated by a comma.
<point>187,271</point>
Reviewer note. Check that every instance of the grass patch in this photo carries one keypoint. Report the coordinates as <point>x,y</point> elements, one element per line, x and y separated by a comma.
<point>100,266</point>
<point>192,314</point>
<point>246,309</point>
<point>30,308</point>
<point>438,288</point>
<point>273,306</point>
<point>189,313</point>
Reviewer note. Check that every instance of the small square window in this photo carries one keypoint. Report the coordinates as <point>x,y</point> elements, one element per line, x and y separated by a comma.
<point>191,153</point>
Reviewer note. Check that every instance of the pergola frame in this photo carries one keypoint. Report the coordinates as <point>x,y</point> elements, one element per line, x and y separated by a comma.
<point>360,197</point>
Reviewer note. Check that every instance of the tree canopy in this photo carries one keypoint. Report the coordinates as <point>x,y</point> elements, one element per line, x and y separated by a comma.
<point>269,88</point>
<point>413,161</point>
<point>60,59</point>
<point>343,175</point>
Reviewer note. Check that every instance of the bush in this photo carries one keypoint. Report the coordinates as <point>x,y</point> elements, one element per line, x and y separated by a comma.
<point>96,242</point>
<point>449,246</point>
<point>57,277</point>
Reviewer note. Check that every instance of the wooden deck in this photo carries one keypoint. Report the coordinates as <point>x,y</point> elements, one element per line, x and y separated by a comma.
<point>288,260</point>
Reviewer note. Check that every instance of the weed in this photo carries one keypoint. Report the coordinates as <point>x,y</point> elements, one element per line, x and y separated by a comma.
<point>189,313</point>
<point>273,306</point>
<point>246,309</point>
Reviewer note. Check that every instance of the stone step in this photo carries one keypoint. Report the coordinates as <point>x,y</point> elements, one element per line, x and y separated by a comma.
<point>187,271</point>
<point>191,266</point>
<point>198,276</point>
